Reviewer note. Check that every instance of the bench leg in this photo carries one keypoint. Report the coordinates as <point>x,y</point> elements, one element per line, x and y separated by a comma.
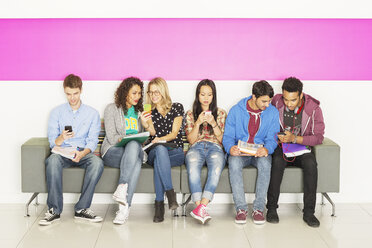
<point>36,203</point>
<point>184,203</point>
<point>330,201</point>
<point>34,195</point>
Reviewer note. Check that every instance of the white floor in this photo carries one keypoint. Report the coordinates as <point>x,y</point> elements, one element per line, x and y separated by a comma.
<point>351,228</point>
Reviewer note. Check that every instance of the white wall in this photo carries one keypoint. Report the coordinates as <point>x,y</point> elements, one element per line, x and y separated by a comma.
<point>25,107</point>
<point>183,8</point>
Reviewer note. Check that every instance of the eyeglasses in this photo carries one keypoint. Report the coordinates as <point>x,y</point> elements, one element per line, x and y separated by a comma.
<point>155,93</point>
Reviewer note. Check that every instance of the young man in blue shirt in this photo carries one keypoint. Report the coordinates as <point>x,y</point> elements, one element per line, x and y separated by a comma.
<point>252,120</point>
<point>86,125</point>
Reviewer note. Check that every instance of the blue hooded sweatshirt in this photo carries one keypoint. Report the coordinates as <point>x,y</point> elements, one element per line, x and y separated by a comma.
<point>236,127</point>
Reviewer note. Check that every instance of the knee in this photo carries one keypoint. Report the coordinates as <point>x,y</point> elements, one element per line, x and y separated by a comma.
<point>234,165</point>
<point>218,159</point>
<point>54,163</point>
<point>133,146</point>
<point>191,159</point>
<point>160,150</point>
<point>278,163</point>
<point>310,165</point>
<point>265,163</point>
<point>96,165</point>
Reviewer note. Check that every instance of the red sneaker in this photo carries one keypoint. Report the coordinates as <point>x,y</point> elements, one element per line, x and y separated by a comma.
<point>200,213</point>
<point>258,217</point>
<point>241,216</point>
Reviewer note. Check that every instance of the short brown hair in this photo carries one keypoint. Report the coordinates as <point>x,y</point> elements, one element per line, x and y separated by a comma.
<point>72,81</point>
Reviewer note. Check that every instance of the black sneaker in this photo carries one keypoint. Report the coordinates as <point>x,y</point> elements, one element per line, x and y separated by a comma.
<point>50,217</point>
<point>272,216</point>
<point>311,220</point>
<point>87,214</point>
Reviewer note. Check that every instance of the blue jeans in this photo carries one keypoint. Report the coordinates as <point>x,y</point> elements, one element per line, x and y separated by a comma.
<point>263,165</point>
<point>129,160</point>
<point>163,159</point>
<point>199,154</point>
<point>55,163</point>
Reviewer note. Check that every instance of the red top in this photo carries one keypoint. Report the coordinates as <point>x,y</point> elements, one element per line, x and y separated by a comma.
<point>254,122</point>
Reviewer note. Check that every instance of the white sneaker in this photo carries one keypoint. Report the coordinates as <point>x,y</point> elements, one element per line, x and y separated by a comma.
<point>120,194</point>
<point>121,215</point>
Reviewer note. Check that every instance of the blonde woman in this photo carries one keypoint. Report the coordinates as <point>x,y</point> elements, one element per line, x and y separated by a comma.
<point>164,126</point>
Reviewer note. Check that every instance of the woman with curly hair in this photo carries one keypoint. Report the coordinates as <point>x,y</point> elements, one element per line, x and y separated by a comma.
<point>124,117</point>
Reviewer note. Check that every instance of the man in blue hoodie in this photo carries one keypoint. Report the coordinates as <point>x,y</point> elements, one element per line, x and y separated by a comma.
<point>253,120</point>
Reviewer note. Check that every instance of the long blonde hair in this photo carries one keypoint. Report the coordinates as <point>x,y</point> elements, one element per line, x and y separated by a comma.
<point>162,86</point>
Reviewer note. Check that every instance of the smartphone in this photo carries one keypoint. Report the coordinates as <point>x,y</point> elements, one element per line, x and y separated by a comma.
<point>147,107</point>
<point>208,112</point>
<point>68,128</point>
<point>281,133</point>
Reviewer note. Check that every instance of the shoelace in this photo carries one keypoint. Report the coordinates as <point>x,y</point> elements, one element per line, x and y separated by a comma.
<point>123,213</point>
<point>88,212</point>
<point>203,211</point>
<point>257,212</point>
<point>48,215</point>
<point>241,211</point>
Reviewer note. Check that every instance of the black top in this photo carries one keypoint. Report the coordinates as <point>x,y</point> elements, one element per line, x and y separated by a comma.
<point>292,121</point>
<point>164,125</point>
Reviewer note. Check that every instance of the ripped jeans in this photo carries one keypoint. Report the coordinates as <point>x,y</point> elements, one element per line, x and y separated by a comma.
<point>212,155</point>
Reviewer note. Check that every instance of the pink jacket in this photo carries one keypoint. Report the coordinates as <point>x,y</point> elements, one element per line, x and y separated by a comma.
<point>312,125</point>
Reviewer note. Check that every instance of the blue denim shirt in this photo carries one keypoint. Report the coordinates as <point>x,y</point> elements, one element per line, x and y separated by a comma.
<point>85,122</point>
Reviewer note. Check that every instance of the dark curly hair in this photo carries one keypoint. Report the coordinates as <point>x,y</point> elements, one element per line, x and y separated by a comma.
<point>122,93</point>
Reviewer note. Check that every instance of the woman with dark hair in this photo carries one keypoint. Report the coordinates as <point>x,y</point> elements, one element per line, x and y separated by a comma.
<point>205,125</point>
<point>124,117</point>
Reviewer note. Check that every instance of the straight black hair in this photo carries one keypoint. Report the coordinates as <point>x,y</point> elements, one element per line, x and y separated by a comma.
<point>197,109</point>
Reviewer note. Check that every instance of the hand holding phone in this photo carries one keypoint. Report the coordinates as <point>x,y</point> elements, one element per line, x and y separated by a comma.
<point>67,133</point>
<point>68,128</point>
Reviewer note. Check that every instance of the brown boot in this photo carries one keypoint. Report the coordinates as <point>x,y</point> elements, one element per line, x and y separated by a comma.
<point>159,211</point>
<point>172,199</point>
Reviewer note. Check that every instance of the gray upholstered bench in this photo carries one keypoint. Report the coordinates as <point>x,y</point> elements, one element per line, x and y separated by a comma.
<point>327,156</point>
<point>36,150</point>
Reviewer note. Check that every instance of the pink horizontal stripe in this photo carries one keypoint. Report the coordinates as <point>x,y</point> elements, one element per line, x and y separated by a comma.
<point>186,49</point>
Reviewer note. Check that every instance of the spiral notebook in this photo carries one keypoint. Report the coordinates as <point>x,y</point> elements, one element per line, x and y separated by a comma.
<point>293,150</point>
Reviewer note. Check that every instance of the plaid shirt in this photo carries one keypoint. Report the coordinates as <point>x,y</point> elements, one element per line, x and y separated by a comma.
<point>205,136</point>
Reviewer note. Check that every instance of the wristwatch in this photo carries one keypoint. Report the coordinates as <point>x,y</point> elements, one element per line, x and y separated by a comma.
<point>295,140</point>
